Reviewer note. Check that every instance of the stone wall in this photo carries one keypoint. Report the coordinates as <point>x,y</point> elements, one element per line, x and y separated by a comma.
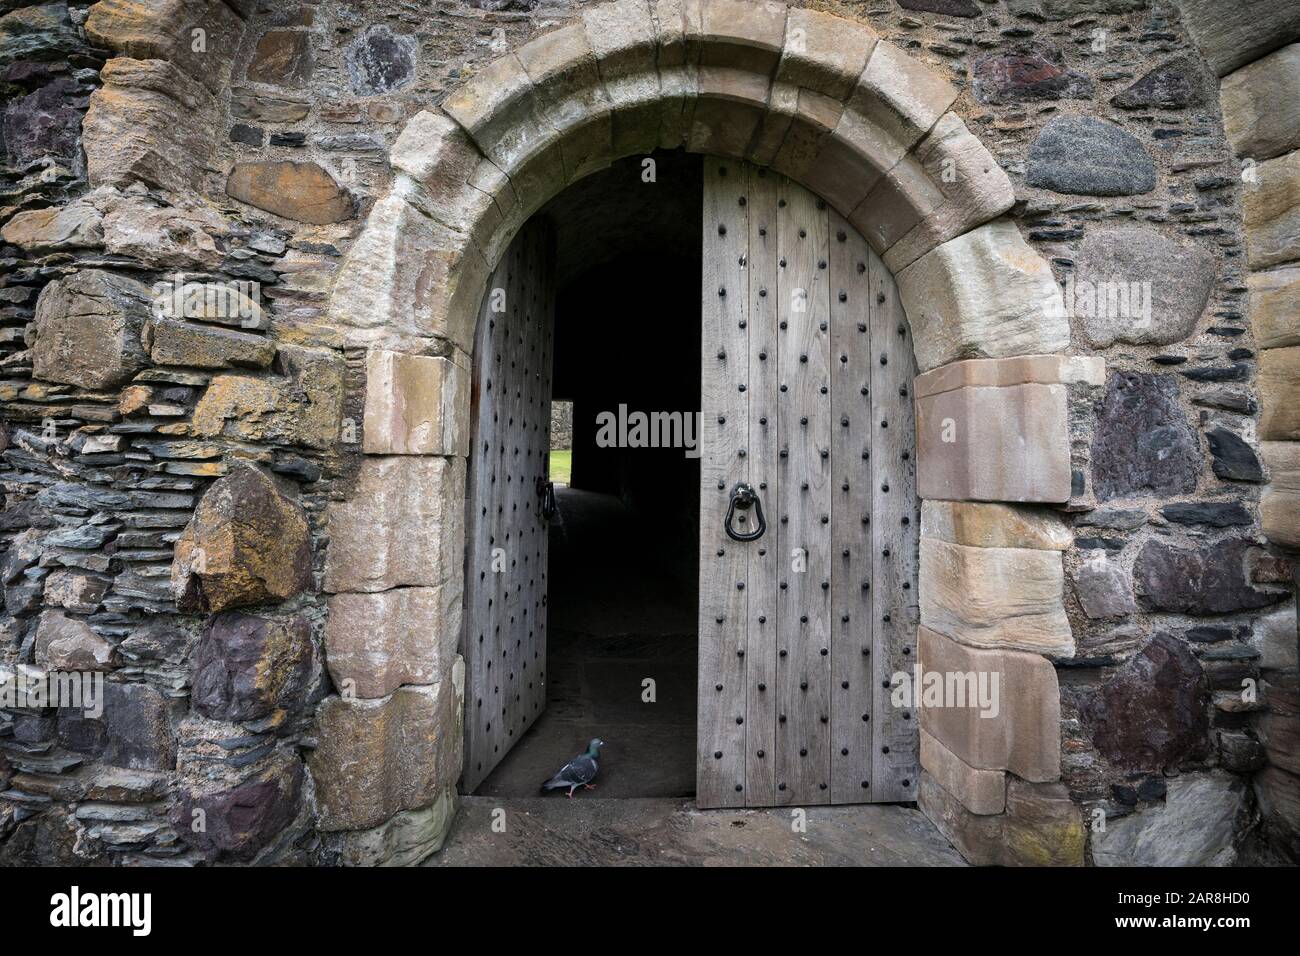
<point>167,478</point>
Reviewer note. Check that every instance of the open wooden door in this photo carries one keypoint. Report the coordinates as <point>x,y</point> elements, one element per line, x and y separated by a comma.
<point>505,574</point>
<point>806,398</point>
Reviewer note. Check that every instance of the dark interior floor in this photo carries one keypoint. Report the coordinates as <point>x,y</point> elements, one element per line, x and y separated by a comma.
<point>615,619</point>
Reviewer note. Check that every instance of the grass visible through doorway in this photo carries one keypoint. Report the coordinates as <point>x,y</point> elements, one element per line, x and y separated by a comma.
<point>561,466</point>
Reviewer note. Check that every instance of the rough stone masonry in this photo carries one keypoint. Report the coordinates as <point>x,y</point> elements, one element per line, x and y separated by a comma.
<point>180,490</point>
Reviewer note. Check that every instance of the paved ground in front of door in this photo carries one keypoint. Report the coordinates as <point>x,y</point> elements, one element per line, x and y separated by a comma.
<point>588,831</point>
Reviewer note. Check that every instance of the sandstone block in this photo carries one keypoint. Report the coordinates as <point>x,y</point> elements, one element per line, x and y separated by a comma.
<point>247,666</point>
<point>301,191</point>
<point>1274,636</point>
<point>396,502</point>
<point>1275,307</point>
<point>736,33</point>
<point>375,643</point>
<point>1087,370</point>
<point>1231,35</point>
<point>380,757</point>
<point>678,60</point>
<point>824,53</point>
<point>301,407</point>
<point>1279,394</point>
<point>1278,795</point>
<point>563,70</point>
<point>1261,105</point>
<point>981,443</point>
<point>1279,727</point>
<point>404,839</point>
<point>849,163</point>
<point>981,792</point>
<point>995,597</point>
<point>1279,510</point>
<point>1041,826</point>
<point>1023,735</point>
<point>900,95</point>
<point>979,525</point>
<point>149,121</point>
<point>162,31</point>
<point>1271,212</point>
<point>407,280</point>
<point>88,329</point>
<point>623,39</point>
<point>499,108</point>
<point>415,405</point>
<point>457,184</point>
<point>77,225</point>
<point>984,294</point>
<point>174,342</point>
<point>247,543</point>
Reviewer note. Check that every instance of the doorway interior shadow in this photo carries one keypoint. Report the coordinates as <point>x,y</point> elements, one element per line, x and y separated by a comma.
<point>622,602</point>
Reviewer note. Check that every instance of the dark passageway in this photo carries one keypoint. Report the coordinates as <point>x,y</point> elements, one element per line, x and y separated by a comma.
<point>623,563</point>
<point>616,618</point>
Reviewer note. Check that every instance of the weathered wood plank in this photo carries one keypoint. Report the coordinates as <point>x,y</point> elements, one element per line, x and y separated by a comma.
<point>723,631</point>
<point>895,522</point>
<point>803,652</point>
<point>504,649</point>
<point>851,502</point>
<point>765,558</point>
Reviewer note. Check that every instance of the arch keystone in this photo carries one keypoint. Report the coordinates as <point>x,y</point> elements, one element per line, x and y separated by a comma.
<point>622,37</point>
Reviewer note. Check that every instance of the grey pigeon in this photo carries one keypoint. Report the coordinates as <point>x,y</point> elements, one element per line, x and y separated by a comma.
<point>578,772</point>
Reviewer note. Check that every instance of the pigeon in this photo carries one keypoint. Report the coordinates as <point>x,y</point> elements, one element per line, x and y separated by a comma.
<point>578,772</point>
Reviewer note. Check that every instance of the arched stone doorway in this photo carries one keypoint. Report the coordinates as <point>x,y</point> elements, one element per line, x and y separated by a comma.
<point>855,120</point>
<point>801,391</point>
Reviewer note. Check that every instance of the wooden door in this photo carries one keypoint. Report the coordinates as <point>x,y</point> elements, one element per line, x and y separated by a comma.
<point>505,576</point>
<point>806,397</point>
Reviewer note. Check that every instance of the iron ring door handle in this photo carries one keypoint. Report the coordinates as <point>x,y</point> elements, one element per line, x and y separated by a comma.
<point>744,497</point>
<point>546,491</point>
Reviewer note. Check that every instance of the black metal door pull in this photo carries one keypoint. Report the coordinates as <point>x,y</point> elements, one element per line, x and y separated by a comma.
<point>546,491</point>
<point>744,497</point>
